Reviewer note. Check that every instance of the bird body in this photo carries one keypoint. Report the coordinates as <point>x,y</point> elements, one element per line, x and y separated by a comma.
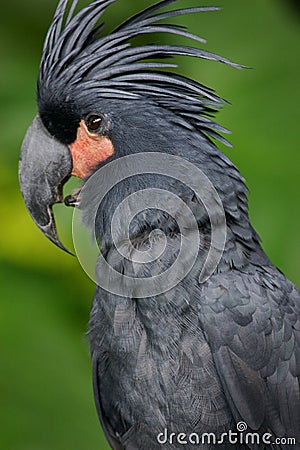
<point>172,374</point>
<point>183,349</point>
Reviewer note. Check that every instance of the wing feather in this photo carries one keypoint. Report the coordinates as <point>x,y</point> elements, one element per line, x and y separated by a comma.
<point>256,351</point>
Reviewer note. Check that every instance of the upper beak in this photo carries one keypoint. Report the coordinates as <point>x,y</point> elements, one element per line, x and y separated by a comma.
<point>45,165</point>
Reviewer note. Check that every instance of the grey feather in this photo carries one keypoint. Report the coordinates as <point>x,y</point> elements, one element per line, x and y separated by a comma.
<point>201,356</point>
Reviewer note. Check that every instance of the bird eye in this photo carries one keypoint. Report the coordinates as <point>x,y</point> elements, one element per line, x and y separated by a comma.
<point>93,123</point>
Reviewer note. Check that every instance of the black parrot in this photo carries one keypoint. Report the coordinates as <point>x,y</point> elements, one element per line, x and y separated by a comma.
<point>187,353</point>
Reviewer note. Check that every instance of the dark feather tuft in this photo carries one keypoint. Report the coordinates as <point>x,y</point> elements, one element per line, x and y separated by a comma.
<point>77,60</point>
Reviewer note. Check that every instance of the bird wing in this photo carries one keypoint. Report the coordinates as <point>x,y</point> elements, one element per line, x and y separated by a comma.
<point>252,322</point>
<point>108,431</point>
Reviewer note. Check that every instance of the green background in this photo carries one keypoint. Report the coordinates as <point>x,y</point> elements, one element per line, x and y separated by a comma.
<point>46,400</point>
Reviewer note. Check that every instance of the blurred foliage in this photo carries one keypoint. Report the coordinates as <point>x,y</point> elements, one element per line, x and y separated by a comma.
<point>45,376</point>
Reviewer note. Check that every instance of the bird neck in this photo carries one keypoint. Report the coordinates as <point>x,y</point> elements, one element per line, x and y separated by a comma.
<point>138,140</point>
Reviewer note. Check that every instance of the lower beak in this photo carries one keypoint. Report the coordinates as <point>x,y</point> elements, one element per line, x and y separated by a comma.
<point>45,165</point>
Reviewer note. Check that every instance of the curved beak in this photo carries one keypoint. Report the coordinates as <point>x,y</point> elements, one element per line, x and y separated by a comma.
<point>45,165</point>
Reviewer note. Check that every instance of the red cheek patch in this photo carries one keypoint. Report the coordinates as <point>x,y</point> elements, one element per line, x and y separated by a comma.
<point>88,151</point>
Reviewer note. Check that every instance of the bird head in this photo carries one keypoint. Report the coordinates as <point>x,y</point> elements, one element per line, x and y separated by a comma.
<point>100,98</point>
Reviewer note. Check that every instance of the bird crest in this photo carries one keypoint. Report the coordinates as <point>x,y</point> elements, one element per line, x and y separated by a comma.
<point>79,61</point>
